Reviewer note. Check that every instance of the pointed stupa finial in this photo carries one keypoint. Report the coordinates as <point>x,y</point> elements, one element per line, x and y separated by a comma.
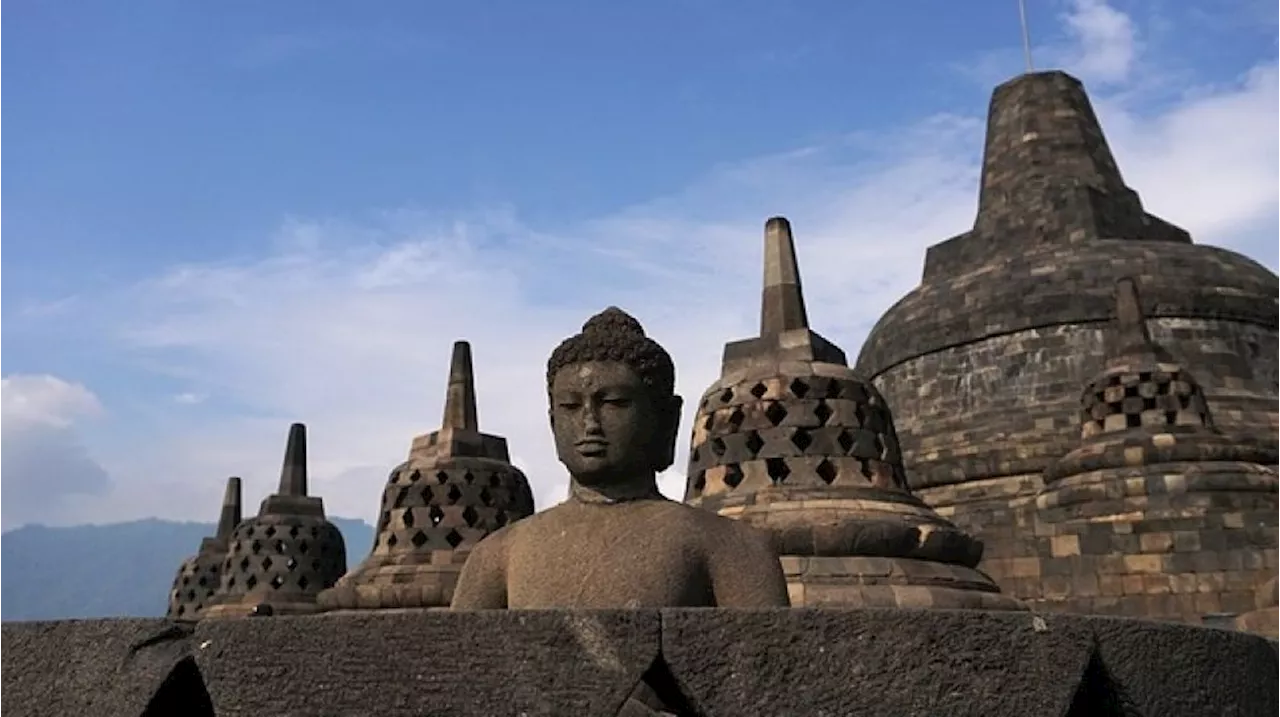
<point>1131,324</point>
<point>230,516</point>
<point>460,401</point>
<point>782,303</point>
<point>293,476</point>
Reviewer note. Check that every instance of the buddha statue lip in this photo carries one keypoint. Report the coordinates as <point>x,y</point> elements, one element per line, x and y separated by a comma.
<point>592,447</point>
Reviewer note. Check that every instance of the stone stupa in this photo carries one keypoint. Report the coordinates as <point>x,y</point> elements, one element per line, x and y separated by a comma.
<point>200,575</point>
<point>793,441</point>
<point>278,561</point>
<point>1156,510</point>
<point>457,486</point>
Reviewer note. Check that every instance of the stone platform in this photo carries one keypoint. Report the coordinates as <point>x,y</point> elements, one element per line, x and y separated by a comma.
<point>701,662</point>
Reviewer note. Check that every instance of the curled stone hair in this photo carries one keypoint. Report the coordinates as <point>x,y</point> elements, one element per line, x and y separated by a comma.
<point>614,335</point>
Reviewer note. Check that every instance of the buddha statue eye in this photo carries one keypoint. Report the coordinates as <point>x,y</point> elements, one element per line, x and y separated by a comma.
<point>568,405</point>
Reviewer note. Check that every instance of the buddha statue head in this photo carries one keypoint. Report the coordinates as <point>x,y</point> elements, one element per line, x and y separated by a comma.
<point>613,407</point>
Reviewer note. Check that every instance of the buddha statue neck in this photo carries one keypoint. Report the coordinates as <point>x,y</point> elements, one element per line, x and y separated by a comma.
<point>614,493</point>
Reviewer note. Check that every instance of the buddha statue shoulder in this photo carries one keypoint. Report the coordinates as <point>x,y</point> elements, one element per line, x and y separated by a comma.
<point>617,542</point>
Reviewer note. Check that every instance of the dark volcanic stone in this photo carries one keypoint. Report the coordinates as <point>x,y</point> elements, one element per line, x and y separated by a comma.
<point>98,667</point>
<point>1166,669</point>
<point>697,662</point>
<point>982,362</point>
<point>875,662</point>
<point>439,663</point>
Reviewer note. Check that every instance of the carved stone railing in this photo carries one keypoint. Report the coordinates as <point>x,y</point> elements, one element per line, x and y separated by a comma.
<point>699,662</point>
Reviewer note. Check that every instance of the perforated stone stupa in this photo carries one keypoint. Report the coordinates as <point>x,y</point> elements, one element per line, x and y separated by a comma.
<point>457,487</point>
<point>1156,511</point>
<point>200,575</point>
<point>793,441</point>
<point>278,561</point>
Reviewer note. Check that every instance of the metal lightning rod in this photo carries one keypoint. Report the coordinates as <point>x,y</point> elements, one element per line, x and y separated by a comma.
<point>1026,36</point>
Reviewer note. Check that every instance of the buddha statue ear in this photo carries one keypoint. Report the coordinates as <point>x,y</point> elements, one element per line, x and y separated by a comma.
<point>666,433</point>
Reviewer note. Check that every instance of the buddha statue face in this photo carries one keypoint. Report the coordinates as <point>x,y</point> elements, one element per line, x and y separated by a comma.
<point>613,410</point>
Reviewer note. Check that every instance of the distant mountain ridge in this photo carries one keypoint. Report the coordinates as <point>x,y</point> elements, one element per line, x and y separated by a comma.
<point>116,570</point>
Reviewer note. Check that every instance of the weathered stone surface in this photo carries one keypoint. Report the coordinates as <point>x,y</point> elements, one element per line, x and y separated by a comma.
<point>1155,513</point>
<point>702,662</point>
<point>280,560</point>
<point>100,667</point>
<point>200,575</point>
<point>1165,669</point>
<point>457,487</point>
<point>873,662</point>
<point>981,363</point>
<point>1264,618</point>
<point>440,662</point>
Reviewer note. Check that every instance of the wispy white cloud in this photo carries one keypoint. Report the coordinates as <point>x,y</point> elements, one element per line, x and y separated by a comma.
<point>1103,42</point>
<point>46,400</point>
<point>347,325</point>
<point>1091,39</point>
<point>42,459</point>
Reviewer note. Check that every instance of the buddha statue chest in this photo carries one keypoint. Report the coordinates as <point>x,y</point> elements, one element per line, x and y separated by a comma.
<point>636,554</point>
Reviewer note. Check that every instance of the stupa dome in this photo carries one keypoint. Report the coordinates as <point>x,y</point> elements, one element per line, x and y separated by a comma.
<point>983,360</point>
<point>278,561</point>
<point>457,487</point>
<point>793,441</point>
<point>200,575</point>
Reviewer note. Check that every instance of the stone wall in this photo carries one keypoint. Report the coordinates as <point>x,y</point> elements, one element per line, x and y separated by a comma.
<point>1009,404</point>
<point>1130,555</point>
<point>698,662</point>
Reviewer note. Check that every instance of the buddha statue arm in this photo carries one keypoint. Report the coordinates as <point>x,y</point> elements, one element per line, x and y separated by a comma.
<point>745,571</point>
<point>482,585</point>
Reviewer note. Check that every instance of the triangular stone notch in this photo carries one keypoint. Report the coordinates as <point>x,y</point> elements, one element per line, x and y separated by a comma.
<point>1097,695</point>
<point>183,692</point>
<point>658,693</point>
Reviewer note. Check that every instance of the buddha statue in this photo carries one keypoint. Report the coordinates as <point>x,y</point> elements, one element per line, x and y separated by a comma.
<point>617,542</point>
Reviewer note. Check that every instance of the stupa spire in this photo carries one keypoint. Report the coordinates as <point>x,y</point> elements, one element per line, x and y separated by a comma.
<point>1130,322</point>
<point>196,584</point>
<point>782,304</point>
<point>293,476</point>
<point>231,513</point>
<point>307,552</point>
<point>425,532</point>
<point>460,402</point>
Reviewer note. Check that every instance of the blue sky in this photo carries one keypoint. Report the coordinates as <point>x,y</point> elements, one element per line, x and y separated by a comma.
<point>226,217</point>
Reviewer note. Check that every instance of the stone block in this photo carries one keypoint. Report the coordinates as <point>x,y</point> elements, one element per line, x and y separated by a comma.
<point>99,667</point>
<point>1153,663</point>
<point>456,663</point>
<point>874,662</point>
